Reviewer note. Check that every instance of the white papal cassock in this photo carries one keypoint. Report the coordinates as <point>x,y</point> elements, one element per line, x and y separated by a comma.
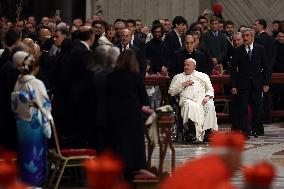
<point>191,99</point>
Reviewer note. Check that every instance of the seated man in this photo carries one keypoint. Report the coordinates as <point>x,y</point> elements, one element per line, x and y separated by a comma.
<point>196,98</point>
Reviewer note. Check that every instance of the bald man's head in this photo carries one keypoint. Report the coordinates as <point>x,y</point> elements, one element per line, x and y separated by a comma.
<point>126,37</point>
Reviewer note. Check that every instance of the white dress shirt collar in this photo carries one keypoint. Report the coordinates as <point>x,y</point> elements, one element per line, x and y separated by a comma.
<point>124,48</point>
<point>179,38</point>
<point>250,46</point>
<point>132,39</point>
<point>84,43</point>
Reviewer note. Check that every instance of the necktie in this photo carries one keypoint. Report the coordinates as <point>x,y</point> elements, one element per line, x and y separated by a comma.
<point>180,42</point>
<point>215,34</point>
<point>249,52</point>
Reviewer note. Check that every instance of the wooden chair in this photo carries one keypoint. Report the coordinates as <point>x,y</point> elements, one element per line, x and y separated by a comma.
<point>164,124</point>
<point>63,158</point>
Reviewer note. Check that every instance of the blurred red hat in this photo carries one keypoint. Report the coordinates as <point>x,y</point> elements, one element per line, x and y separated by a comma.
<point>233,140</point>
<point>122,185</point>
<point>261,174</point>
<point>217,8</point>
<point>17,185</point>
<point>225,185</point>
<point>8,168</point>
<point>8,173</point>
<point>103,171</point>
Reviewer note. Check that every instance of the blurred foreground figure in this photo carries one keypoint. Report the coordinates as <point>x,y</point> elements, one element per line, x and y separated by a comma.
<point>105,172</point>
<point>259,176</point>
<point>212,171</point>
<point>8,171</point>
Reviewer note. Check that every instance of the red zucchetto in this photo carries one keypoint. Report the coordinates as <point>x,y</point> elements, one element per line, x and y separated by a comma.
<point>217,8</point>
<point>232,140</point>
<point>104,171</point>
<point>261,174</point>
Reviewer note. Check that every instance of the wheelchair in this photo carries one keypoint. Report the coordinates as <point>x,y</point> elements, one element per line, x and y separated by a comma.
<point>179,133</point>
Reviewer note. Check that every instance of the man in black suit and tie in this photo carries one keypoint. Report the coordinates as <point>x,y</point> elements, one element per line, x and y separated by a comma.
<point>135,40</point>
<point>269,44</point>
<point>75,79</point>
<point>215,41</point>
<point>249,77</point>
<point>126,37</point>
<point>174,39</point>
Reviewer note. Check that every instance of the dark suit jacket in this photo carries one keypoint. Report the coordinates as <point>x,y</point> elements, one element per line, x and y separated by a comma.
<point>140,57</point>
<point>269,45</point>
<point>158,54</point>
<point>227,61</point>
<point>244,71</point>
<point>279,60</point>
<point>78,60</point>
<point>172,42</point>
<point>6,55</point>
<point>203,63</point>
<point>217,46</point>
<point>138,42</point>
<point>74,126</point>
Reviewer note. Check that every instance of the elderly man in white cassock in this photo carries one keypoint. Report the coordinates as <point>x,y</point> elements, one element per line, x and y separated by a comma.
<point>196,98</point>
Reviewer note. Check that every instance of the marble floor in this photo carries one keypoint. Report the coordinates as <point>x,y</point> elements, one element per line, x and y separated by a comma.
<point>269,147</point>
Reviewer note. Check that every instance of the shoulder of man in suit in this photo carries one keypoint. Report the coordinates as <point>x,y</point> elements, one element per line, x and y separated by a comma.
<point>133,47</point>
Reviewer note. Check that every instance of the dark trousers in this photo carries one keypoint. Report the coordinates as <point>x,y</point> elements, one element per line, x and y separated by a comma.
<point>266,107</point>
<point>234,112</point>
<point>253,98</point>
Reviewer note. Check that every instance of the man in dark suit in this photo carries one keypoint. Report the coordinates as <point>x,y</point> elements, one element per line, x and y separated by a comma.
<point>11,37</point>
<point>126,37</point>
<point>215,41</point>
<point>174,39</point>
<point>76,80</point>
<point>156,50</point>
<point>203,62</point>
<point>229,31</point>
<point>135,40</point>
<point>278,89</point>
<point>269,44</point>
<point>249,77</point>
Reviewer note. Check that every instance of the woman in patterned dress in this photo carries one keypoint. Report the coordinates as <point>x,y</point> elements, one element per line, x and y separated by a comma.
<point>32,109</point>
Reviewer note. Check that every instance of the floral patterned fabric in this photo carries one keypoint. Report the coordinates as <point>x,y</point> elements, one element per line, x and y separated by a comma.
<point>32,109</point>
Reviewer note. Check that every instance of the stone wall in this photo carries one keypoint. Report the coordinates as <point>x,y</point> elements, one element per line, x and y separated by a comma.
<point>147,10</point>
<point>239,11</point>
<point>247,11</point>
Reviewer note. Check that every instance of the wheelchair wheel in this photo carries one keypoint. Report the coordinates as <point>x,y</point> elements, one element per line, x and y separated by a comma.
<point>177,126</point>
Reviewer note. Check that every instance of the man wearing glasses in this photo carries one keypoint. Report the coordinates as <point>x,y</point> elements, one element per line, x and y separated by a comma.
<point>189,51</point>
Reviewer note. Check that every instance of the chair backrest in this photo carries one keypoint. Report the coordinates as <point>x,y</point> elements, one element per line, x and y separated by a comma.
<point>56,140</point>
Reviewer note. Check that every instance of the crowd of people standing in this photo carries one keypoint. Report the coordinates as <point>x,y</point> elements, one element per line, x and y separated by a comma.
<point>91,74</point>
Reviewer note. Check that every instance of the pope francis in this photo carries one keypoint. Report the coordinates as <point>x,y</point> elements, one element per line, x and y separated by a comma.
<point>196,98</point>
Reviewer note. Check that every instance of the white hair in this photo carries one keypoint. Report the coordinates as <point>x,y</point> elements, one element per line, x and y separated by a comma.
<point>251,31</point>
<point>191,60</point>
<point>113,53</point>
<point>19,57</point>
<point>237,34</point>
<point>61,25</point>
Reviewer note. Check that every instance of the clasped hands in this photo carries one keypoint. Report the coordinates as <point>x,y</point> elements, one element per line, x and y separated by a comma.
<point>187,83</point>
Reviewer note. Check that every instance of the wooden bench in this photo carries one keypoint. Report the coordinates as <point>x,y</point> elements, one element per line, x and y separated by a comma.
<point>163,82</point>
<point>277,78</point>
